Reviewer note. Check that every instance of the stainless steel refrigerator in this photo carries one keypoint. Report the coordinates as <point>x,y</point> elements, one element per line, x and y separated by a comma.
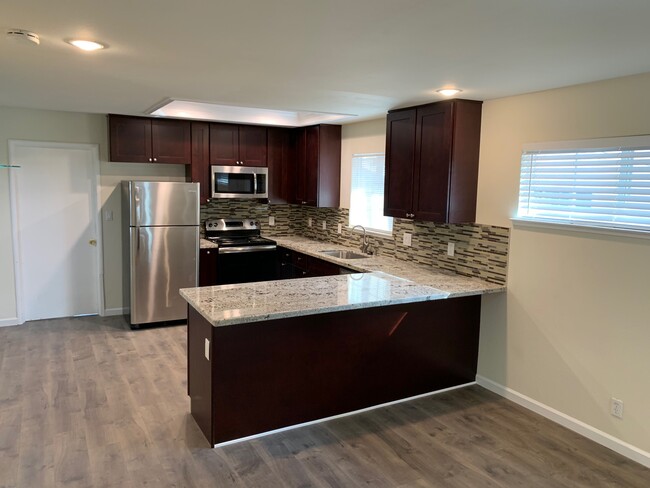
<point>161,248</point>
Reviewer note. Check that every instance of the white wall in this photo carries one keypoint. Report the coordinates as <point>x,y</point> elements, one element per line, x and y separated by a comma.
<point>42,125</point>
<point>573,329</point>
<point>359,138</point>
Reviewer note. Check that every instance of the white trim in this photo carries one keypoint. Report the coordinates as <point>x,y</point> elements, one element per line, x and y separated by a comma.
<point>109,312</point>
<point>95,212</point>
<point>9,322</point>
<point>15,240</point>
<point>571,423</point>
<point>602,142</point>
<point>578,228</point>
<point>346,414</point>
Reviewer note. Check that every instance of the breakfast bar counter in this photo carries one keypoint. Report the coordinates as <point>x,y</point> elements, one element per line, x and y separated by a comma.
<point>268,355</point>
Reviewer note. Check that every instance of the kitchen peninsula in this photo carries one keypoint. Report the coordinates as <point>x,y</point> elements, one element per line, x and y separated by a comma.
<point>267,355</point>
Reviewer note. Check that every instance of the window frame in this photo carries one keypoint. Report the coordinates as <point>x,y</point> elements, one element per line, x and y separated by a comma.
<point>602,228</point>
<point>369,230</point>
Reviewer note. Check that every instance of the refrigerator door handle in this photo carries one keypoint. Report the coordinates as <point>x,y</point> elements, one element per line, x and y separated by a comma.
<point>138,210</point>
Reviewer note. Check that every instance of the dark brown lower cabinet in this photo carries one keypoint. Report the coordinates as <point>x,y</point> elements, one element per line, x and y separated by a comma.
<point>208,267</point>
<point>272,374</point>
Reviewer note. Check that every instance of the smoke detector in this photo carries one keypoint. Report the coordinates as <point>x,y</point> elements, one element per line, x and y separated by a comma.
<point>23,36</point>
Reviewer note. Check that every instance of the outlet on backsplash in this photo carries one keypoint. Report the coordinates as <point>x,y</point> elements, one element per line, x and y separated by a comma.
<point>324,225</point>
<point>309,222</point>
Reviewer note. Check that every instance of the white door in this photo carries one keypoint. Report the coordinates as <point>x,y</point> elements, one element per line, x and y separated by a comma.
<point>54,193</point>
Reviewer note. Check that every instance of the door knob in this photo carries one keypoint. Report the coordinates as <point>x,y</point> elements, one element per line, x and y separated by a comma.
<point>92,242</point>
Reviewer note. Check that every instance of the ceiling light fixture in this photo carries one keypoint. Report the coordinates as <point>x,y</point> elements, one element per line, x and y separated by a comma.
<point>86,45</point>
<point>23,36</point>
<point>247,115</point>
<point>448,92</point>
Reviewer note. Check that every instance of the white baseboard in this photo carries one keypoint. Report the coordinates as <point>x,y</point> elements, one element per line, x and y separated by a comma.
<point>9,322</point>
<point>109,312</point>
<point>586,430</point>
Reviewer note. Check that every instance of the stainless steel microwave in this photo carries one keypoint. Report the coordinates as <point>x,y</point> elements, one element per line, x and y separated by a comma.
<point>239,182</point>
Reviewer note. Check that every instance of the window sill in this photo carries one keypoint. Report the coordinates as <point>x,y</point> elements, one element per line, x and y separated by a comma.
<point>373,232</point>
<point>579,228</point>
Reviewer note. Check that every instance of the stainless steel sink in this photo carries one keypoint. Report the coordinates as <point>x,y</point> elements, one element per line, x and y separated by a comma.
<point>335,253</point>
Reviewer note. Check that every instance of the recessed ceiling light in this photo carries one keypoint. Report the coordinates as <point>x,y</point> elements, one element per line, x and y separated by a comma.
<point>23,36</point>
<point>247,115</point>
<point>448,92</point>
<point>86,45</point>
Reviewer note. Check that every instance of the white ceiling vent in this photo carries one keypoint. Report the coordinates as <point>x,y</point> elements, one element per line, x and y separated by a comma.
<point>23,36</point>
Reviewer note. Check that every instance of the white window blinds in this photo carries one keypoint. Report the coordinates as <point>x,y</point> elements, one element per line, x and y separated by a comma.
<point>606,186</point>
<point>367,193</point>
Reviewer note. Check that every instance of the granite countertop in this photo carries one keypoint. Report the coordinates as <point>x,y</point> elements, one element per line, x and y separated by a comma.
<point>453,285</point>
<point>206,244</point>
<point>381,280</point>
<point>253,302</point>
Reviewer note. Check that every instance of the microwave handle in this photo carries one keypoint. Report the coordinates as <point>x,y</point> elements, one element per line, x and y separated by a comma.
<point>254,183</point>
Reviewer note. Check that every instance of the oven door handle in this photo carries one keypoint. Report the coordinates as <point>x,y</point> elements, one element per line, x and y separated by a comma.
<point>240,249</point>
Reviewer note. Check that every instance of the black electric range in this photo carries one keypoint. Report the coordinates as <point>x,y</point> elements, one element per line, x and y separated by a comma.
<point>244,255</point>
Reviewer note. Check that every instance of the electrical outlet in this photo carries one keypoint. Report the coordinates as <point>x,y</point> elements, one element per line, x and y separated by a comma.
<point>309,222</point>
<point>324,225</point>
<point>451,248</point>
<point>339,228</point>
<point>616,407</point>
<point>271,220</point>
<point>207,349</point>
<point>406,240</point>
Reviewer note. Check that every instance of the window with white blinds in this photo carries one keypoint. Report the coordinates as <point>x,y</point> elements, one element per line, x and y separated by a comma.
<point>367,193</point>
<point>602,183</point>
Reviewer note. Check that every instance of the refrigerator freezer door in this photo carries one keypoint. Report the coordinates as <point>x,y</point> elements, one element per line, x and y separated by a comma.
<point>161,203</point>
<point>163,260</point>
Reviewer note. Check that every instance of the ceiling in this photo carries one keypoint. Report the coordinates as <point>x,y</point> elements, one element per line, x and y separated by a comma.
<point>359,57</point>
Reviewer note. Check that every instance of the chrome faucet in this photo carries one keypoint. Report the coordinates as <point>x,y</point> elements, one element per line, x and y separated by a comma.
<point>364,240</point>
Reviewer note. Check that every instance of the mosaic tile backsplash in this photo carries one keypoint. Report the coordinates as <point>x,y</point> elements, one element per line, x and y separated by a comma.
<point>480,250</point>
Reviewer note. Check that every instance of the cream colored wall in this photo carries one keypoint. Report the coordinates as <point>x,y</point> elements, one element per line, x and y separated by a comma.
<point>573,329</point>
<point>42,125</point>
<point>359,138</point>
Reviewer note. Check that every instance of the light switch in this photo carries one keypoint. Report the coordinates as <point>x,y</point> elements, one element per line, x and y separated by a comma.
<point>271,220</point>
<point>207,349</point>
<point>108,215</point>
<point>406,240</point>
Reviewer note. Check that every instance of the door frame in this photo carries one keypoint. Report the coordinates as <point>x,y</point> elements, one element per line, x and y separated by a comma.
<point>95,217</point>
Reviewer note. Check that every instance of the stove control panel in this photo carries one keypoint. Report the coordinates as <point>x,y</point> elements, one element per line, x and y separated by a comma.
<point>224,225</point>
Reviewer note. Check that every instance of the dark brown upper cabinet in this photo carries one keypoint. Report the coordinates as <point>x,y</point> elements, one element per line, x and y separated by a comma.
<point>317,165</point>
<point>281,156</point>
<point>147,140</point>
<point>432,161</point>
<point>200,169</point>
<point>232,144</point>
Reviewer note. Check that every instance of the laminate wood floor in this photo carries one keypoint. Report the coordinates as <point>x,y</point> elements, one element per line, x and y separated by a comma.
<point>87,402</point>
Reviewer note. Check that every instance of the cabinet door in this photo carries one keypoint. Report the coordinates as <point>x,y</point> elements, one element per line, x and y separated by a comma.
<point>312,155</point>
<point>300,176</point>
<point>432,162</point>
<point>208,267</point>
<point>201,158</point>
<point>224,144</point>
<point>400,158</point>
<point>252,145</point>
<point>280,163</point>
<point>130,139</point>
<point>171,141</point>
